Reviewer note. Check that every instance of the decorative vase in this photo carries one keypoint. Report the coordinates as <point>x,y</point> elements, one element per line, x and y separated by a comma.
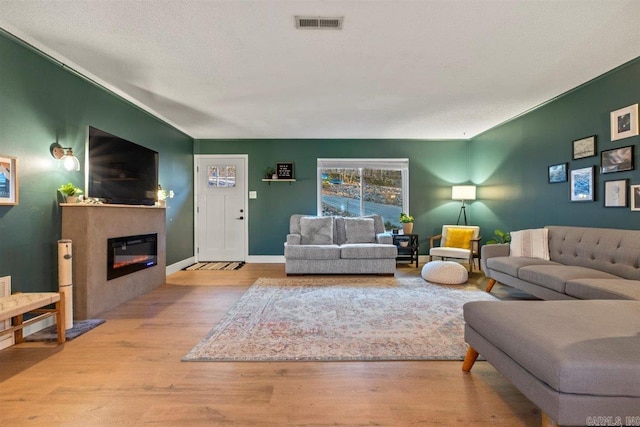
<point>407,227</point>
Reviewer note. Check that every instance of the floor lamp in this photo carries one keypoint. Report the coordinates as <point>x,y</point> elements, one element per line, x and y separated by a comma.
<point>463,192</point>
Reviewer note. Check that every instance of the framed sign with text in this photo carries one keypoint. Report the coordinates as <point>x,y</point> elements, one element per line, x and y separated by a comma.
<point>285,170</point>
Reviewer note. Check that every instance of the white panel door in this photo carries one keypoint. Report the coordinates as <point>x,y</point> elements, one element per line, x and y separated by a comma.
<point>221,215</point>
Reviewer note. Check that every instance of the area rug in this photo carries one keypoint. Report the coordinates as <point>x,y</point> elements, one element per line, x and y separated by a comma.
<point>50,333</point>
<point>330,319</point>
<point>216,265</point>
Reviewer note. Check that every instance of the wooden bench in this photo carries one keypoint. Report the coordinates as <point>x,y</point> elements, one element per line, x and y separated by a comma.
<point>15,306</point>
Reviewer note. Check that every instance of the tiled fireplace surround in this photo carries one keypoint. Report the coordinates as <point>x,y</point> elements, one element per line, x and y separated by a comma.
<point>89,227</point>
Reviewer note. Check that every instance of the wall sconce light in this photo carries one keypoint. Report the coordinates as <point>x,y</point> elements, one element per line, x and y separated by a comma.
<point>463,192</point>
<point>69,161</point>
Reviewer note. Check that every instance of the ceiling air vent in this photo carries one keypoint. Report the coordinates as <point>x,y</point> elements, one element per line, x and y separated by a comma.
<point>318,23</point>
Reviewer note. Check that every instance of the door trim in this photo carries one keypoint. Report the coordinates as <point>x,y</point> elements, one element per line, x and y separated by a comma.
<point>196,237</point>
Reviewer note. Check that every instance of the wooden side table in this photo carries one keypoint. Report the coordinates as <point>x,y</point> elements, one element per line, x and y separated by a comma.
<point>408,251</point>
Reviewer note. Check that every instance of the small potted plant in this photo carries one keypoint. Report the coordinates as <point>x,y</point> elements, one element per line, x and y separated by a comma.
<point>407,223</point>
<point>70,192</point>
<point>268,172</point>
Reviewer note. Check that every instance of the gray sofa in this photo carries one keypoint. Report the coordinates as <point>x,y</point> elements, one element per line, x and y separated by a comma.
<point>585,263</point>
<point>576,359</point>
<point>339,245</point>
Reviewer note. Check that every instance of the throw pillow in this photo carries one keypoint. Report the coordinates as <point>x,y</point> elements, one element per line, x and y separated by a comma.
<point>533,243</point>
<point>458,238</point>
<point>360,230</point>
<point>316,230</point>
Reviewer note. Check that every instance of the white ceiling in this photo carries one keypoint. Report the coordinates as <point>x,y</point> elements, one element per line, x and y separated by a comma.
<point>398,69</point>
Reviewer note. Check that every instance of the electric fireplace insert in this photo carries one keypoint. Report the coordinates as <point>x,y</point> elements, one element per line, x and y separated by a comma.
<point>128,254</point>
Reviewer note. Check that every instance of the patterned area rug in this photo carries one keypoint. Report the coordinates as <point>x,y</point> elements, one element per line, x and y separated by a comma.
<point>341,319</point>
<point>221,265</point>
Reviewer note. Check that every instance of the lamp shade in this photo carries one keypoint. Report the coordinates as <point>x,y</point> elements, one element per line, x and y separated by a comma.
<point>463,192</point>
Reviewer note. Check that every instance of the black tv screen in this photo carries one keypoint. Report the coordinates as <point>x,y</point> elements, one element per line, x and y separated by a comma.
<point>120,171</point>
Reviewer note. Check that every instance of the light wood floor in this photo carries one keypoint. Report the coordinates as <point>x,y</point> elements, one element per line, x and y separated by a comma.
<point>128,372</point>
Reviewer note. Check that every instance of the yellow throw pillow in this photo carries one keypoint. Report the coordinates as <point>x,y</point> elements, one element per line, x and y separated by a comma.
<point>459,238</point>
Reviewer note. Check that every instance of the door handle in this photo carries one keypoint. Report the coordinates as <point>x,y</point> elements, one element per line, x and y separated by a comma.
<point>241,218</point>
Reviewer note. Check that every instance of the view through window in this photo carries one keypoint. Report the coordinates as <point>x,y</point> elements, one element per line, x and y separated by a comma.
<point>356,187</point>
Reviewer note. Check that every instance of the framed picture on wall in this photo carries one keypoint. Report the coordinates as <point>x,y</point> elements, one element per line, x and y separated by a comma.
<point>635,197</point>
<point>285,170</point>
<point>582,189</point>
<point>616,160</point>
<point>615,193</point>
<point>558,173</point>
<point>585,147</point>
<point>624,122</point>
<point>8,180</point>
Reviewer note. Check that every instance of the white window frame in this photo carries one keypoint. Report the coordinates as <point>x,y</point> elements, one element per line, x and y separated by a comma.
<point>391,164</point>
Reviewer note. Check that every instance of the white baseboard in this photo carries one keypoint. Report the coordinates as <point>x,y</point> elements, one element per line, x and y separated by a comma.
<point>266,259</point>
<point>180,265</point>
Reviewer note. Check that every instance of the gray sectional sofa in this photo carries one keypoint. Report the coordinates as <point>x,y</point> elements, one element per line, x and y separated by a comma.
<point>339,245</point>
<point>585,263</point>
<point>575,357</point>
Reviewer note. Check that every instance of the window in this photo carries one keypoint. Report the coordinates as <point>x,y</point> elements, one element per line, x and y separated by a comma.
<point>355,187</point>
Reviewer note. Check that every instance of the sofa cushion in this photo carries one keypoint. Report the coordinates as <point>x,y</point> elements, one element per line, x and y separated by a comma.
<point>510,265</point>
<point>612,250</point>
<point>359,230</point>
<point>367,251</point>
<point>555,276</point>
<point>316,230</point>
<point>580,347</point>
<point>604,289</point>
<point>533,243</point>
<point>450,252</point>
<point>312,252</point>
<point>458,238</point>
<point>378,223</point>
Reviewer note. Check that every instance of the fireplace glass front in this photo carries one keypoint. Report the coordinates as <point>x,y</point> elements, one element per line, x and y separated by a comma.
<point>129,254</point>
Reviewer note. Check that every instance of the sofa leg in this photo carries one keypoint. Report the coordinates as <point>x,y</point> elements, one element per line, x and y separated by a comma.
<point>547,421</point>
<point>490,285</point>
<point>469,359</point>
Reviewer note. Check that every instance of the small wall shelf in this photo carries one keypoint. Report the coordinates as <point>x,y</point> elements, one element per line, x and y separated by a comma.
<point>269,181</point>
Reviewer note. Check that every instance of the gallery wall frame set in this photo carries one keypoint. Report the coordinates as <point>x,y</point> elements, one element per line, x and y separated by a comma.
<point>624,122</point>
<point>634,192</point>
<point>8,180</point>
<point>558,173</point>
<point>582,185</point>
<point>616,160</point>
<point>584,147</point>
<point>615,193</point>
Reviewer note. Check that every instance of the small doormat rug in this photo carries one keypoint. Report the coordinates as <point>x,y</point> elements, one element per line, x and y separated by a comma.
<point>331,319</point>
<point>79,327</point>
<point>221,265</point>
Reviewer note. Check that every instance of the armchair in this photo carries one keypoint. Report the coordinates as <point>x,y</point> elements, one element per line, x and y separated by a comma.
<point>458,242</point>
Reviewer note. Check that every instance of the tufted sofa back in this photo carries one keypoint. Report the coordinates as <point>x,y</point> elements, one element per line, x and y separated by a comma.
<point>612,250</point>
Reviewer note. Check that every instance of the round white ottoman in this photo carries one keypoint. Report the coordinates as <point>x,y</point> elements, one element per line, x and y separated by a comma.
<point>445,272</point>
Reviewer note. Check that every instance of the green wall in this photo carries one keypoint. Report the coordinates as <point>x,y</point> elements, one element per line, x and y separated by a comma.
<point>510,162</point>
<point>40,101</point>
<point>433,167</point>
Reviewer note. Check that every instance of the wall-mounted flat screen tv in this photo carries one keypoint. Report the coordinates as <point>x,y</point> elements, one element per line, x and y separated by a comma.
<point>120,171</point>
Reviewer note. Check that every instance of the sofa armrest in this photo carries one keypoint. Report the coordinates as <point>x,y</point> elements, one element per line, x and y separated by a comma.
<point>384,238</point>
<point>293,239</point>
<point>490,251</point>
